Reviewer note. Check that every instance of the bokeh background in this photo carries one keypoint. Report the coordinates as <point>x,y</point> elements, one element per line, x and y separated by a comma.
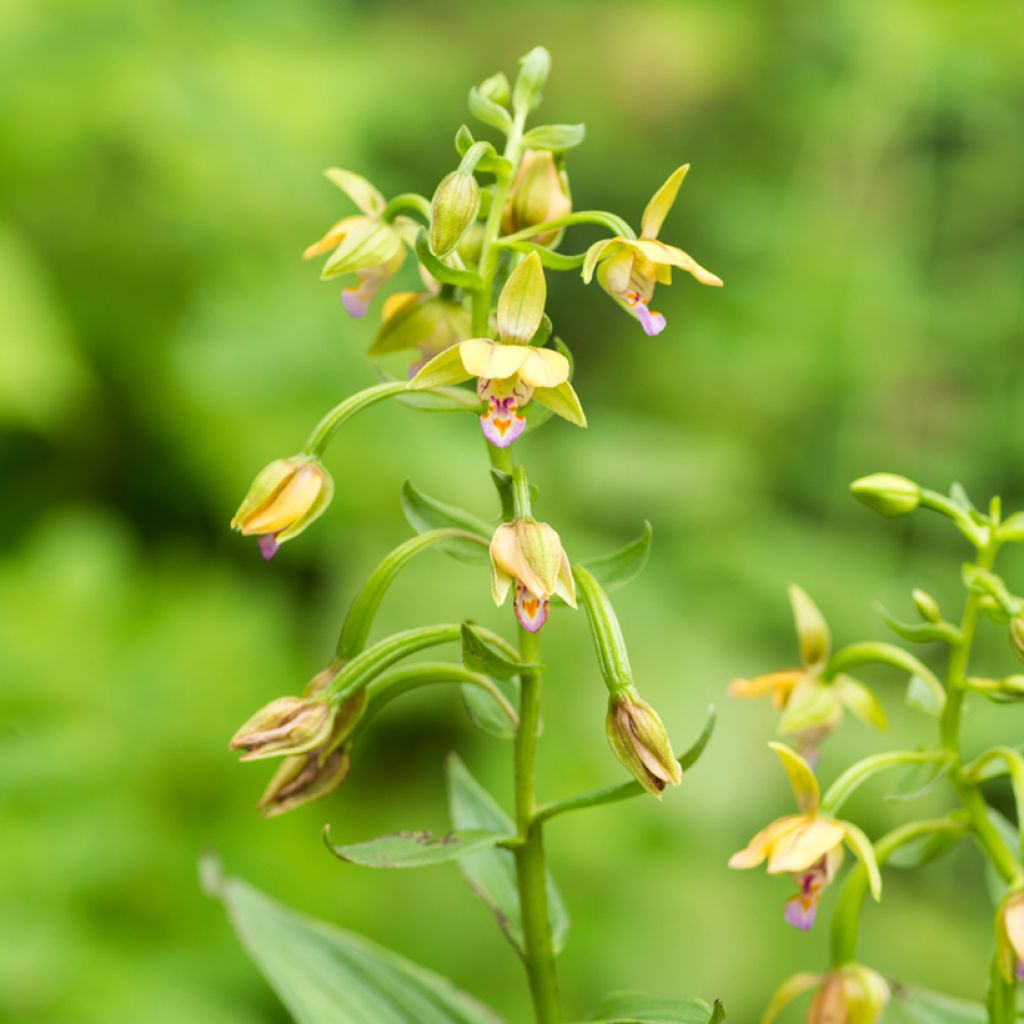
<point>857,181</point>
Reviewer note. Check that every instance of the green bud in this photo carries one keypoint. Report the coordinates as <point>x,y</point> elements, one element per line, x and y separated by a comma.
<point>454,208</point>
<point>533,73</point>
<point>852,994</point>
<point>927,607</point>
<point>496,89</point>
<point>639,740</point>
<point>288,725</point>
<point>887,493</point>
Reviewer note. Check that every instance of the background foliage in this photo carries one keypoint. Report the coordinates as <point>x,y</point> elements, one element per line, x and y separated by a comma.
<point>857,182</point>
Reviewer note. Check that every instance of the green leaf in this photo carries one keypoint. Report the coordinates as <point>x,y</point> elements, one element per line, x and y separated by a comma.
<point>325,975</point>
<point>492,873</point>
<point>919,1006</point>
<point>637,1008</point>
<point>917,779</point>
<point>620,567</point>
<point>921,632</point>
<point>426,514</point>
<point>692,756</point>
<point>480,656</point>
<point>413,849</point>
<point>489,112</point>
<point>924,849</point>
<point>485,713</point>
<point>556,137</point>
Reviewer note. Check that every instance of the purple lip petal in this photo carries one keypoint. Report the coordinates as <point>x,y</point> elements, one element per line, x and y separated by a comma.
<point>502,424</point>
<point>652,323</point>
<point>356,302</point>
<point>800,914</point>
<point>268,546</point>
<point>530,622</point>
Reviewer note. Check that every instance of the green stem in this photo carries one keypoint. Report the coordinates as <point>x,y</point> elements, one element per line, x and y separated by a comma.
<point>608,220</point>
<point>529,857</point>
<point>406,201</point>
<point>521,493</point>
<point>324,430</point>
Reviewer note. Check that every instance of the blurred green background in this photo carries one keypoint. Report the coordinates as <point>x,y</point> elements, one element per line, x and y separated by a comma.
<point>857,181</point>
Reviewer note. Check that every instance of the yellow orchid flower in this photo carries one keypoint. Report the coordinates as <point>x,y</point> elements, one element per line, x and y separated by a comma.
<point>812,705</point>
<point>367,246</point>
<point>629,268</point>
<point>808,845</point>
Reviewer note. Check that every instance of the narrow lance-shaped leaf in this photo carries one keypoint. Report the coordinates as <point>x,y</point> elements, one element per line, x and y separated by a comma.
<point>620,567</point>
<point>638,1008</point>
<point>413,849</point>
<point>325,975</point>
<point>426,514</point>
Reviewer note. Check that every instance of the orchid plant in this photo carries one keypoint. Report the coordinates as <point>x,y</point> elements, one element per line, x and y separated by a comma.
<point>809,847</point>
<point>483,244</point>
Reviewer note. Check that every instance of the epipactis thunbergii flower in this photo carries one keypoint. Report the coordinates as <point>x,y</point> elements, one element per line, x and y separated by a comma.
<point>288,725</point>
<point>529,555</point>
<point>851,994</point>
<point>639,740</point>
<point>367,246</point>
<point>1010,936</point>
<point>629,268</point>
<point>539,193</point>
<point>510,372</point>
<point>283,500</point>
<point>808,846</point>
<point>811,704</point>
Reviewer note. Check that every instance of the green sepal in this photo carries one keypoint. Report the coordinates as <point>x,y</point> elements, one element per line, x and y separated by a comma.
<point>425,514</point>
<point>556,137</point>
<point>492,873</point>
<point>622,566</point>
<point>358,189</point>
<point>489,112</point>
<point>368,244</point>
<point>467,544</point>
<point>413,849</point>
<point>440,270</point>
<point>480,656</point>
<point>563,402</point>
<point>521,302</point>
<point>638,1008</point>
<point>325,975</point>
<point>610,647</point>
<point>862,701</point>
<point>920,632</point>
<point>543,332</point>
<point>444,369</point>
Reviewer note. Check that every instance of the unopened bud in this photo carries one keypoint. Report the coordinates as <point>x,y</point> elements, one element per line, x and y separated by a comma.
<point>927,607</point>
<point>302,779</point>
<point>288,725</point>
<point>454,208</point>
<point>540,193</point>
<point>852,994</point>
<point>533,73</point>
<point>639,740</point>
<point>888,494</point>
<point>283,500</point>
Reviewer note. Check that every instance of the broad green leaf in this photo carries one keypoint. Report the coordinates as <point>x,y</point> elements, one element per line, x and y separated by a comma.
<point>492,873</point>
<point>414,849</point>
<point>425,514</point>
<point>637,1008</point>
<point>620,567</point>
<point>325,975</point>
<point>919,1006</point>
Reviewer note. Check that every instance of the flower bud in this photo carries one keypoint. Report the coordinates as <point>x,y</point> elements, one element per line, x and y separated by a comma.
<point>1017,635</point>
<point>288,725</point>
<point>927,607</point>
<point>540,193</point>
<point>454,208</point>
<point>303,778</point>
<point>852,994</point>
<point>284,499</point>
<point>533,73</point>
<point>639,740</point>
<point>887,493</point>
<point>530,555</point>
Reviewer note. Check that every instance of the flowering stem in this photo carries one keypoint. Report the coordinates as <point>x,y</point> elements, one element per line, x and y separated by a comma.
<point>521,493</point>
<point>406,201</point>
<point>530,869</point>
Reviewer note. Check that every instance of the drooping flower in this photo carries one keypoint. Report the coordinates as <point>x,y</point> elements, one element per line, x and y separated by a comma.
<point>851,994</point>
<point>529,554</point>
<point>629,268</point>
<point>288,725</point>
<point>639,740</point>
<point>368,246</point>
<point>811,703</point>
<point>510,372</point>
<point>286,496</point>
<point>808,846</point>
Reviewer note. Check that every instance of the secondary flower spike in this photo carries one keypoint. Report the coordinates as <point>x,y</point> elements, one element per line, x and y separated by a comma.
<point>629,268</point>
<point>510,372</point>
<point>530,555</point>
<point>811,705</point>
<point>367,246</point>
<point>808,846</point>
<point>283,500</point>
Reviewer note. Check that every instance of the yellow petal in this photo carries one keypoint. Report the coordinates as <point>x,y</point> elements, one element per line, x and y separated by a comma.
<point>760,846</point>
<point>777,684</point>
<point>659,252</point>
<point>488,359</point>
<point>544,368</point>
<point>805,846</point>
<point>661,202</point>
<point>289,504</point>
<point>334,237</point>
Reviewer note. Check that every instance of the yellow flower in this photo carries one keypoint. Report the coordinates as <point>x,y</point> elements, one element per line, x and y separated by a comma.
<point>367,246</point>
<point>283,500</point>
<point>530,555</point>
<point>629,268</point>
<point>808,845</point>
<point>812,704</point>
